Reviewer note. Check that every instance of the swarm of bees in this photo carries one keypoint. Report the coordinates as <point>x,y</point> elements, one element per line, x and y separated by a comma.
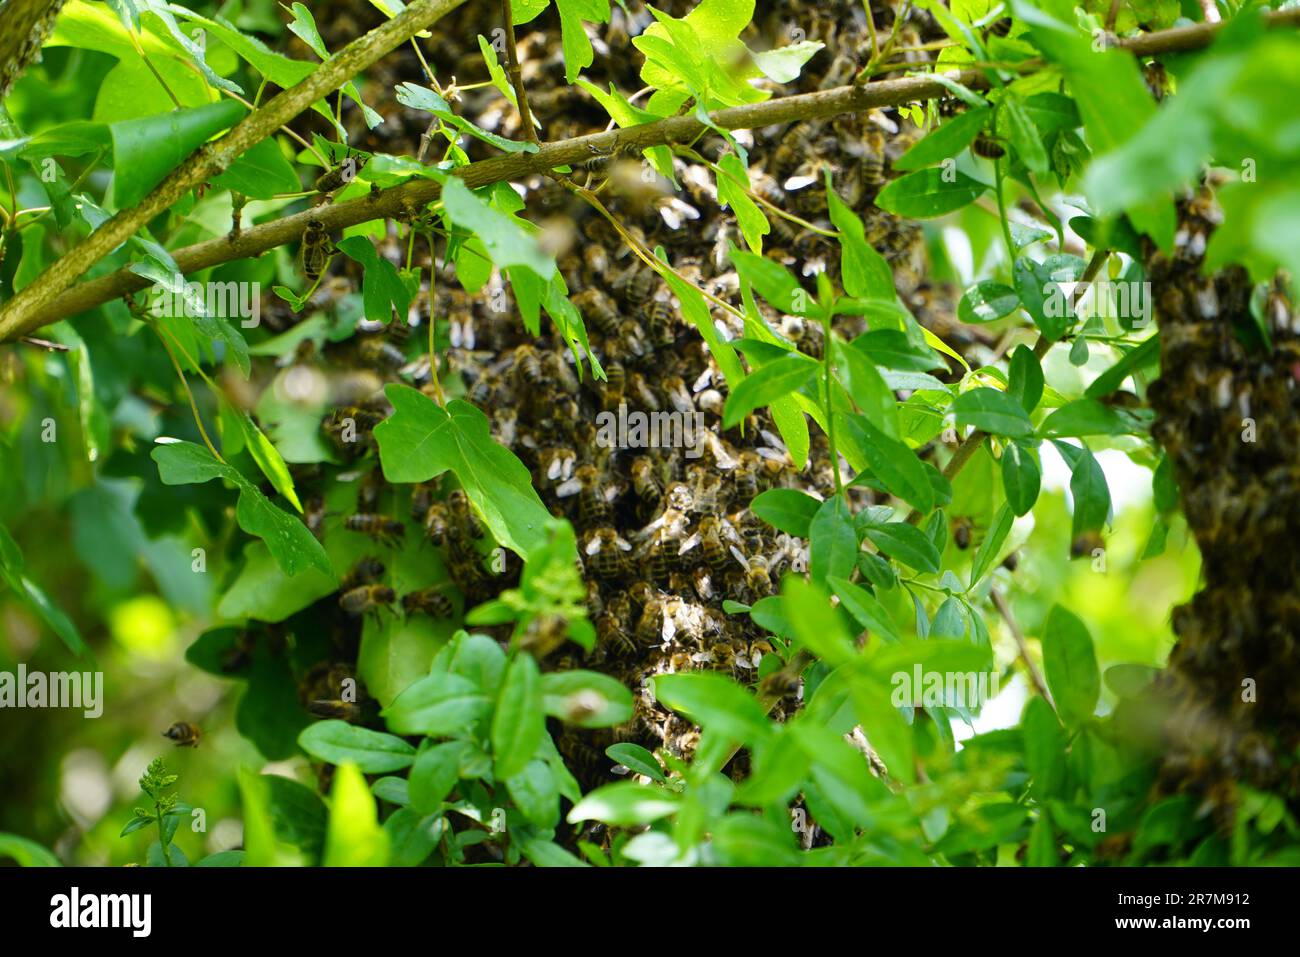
<point>1221,399</point>
<point>665,534</point>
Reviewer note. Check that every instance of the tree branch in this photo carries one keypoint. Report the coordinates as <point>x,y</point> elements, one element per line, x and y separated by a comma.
<point>28,309</point>
<point>517,73</point>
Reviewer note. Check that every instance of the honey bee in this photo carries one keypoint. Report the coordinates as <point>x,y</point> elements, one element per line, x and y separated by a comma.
<point>313,515</point>
<point>593,499</point>
<point>645,480</point>
<point>1000,27</point>
<point>632,339</point>
<point>334,708</point>
<point>746,476</point>
<point>872,166</point>
<point>544,634</point>
<point>781,684</point>
<point>466,523</point>
<point>758,578</point>
<point>642,396</point>
<point>649,626</point>
<point>708,537</point>
<point>437,523</point>
<point>599,308</point>
<point>381,528</point>
<point>706,490</point>
<point>378,353</point>
<point>367,598</point>
<point>587,761</point>
<point>611,391</point>
<point>316,251</point>
<point>636,284</point>
<point>988,147</point>
<point>528,366</point>
<point>961,531</point>
<point>676,394</point>
<point>366,571</point>
<point>664,534</point>
<point>1086,543</point>
<point>659,321</point>
<point>557,463</point>
<point>341,175</point>
<point>431,601</point>
<point>183,734</point>
<point>238,657</point>
<point>421,498</point>
<point>606,553</point>
<point>611,627</point>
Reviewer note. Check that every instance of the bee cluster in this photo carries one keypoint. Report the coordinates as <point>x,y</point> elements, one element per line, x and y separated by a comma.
<point>665,534</point>
<point>1223,399</point>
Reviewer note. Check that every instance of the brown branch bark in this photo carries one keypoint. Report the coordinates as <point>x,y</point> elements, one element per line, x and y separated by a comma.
<point>52,302</point>
<point>24,24</point>
<point>516,72</point>
<point>28,309</point>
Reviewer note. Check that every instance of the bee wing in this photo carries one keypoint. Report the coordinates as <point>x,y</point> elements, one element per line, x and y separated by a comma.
<point>623,543</point>
<point>593,546</point>
<point>567,489</point>
<point>690,543</point>
<point>721,456</point>
<point>740,557</point>
<point>555,469</point>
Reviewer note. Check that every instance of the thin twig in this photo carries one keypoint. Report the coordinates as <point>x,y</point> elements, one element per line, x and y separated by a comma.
<point>517,73</point>
<point>1036,676</point>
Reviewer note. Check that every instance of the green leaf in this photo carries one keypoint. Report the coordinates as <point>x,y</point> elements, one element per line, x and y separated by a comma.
<point>773,282</point>
<point>893,463</point>
<point>1020,477</point>
<point>382,291</point>
<point>1045,290</point>
<point>953,136</point>
<point>535,793</point>
<point>27,853</point>
<point>834,544</point>
<point>422,98</point>
<point>864,272</point>
<point>987,301</point>
<point>433,774</point>
<point>11,569</point>
<point>1042,842</point>
<point>506,240</point>
<point>717,704</point>
<point>625,804</point>
<point>1087,417</point>
<point>929,193</point>
<point>762,386</point>
<point>893,349</point>
<point>816,623</point>
<point>1024,135</point>
<point>550,854</point>
<point>1025,378</point>
<point>578,54</point>
<point>439,705</point>
<point>1045,747</point>
<point>354,837</point>
<point>372,751</point>
<point>636,759</point>
<point>518,723</point>
<point>267,456</point>
<point>294,547</point>
<point>587,699</point>
<point>865,609</point>
<point>988,550</point>
<point>421,440</point>
<point>907,543</point>
<point>260,173</point>
<point>786,509</point>
<point>147,149</point>
<point>1070,666</point>
<point>992,411</point>
<point>1148,353</point>
<point>1088,488</point>
<point>733,184</point>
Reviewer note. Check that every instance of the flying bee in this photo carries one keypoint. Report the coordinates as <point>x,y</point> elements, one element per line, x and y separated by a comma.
<point>316,250</point>
<point>758,578</point>
<point>369,490</point>
<point>606,553</point>
<point>599,308</point>
<point>462,513</point>
<point>367,598</point>
<point>381,528</point>
<point>781,684</point>
<point>313,515</point>
<point>421,498</point>
<point>183,734</point>
<point>431,601</point>
<point>961,531</point>
<point>339,176</point>
<point>987,146</point>
<point>366,571</point>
